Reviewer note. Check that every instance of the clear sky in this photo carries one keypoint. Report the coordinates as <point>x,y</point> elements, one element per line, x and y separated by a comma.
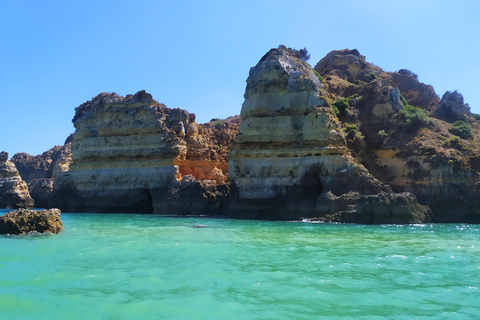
<point>195,55</point>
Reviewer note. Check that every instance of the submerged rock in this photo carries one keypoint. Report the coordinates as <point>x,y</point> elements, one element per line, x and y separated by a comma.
<point>23,221</point>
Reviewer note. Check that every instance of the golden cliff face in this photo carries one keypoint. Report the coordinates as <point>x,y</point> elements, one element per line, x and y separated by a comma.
<point>290,159</point>
<point>285,130</point>
<point>126,149</point>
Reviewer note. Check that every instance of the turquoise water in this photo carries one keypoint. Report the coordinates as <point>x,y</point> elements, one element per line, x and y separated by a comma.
<point>151,267</point>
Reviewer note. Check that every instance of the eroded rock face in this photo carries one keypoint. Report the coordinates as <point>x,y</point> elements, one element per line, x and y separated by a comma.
<point>347,69</point>
<point>381,208</point>
<point>34,167</point>
<point>346,64</point>
<point>404,135</point>
<point>133,154</point>
<point>290,154</point>
<point>39,171</point>
<point>452,108</point>
<point>13,190</point>
<point>24,221</point>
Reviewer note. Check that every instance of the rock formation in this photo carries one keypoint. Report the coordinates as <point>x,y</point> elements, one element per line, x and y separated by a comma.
<point>452,108</point>
<point>133,154</point>
<point>330,144</point>
<point>346,69</point>
<point>403,134</point>
<point>13,190</point>
<point>39,171</point>
<point>24,221</point>
<point>290,157</point>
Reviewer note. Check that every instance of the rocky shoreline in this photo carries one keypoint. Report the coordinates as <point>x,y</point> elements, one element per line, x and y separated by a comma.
<point>341,142</point>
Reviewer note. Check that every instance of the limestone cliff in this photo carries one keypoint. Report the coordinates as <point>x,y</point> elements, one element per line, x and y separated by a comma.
<point>133,154</point>
<point>290,158</point>
<point>13,190</point>
<point>39,171</point>
<point>405,135</point>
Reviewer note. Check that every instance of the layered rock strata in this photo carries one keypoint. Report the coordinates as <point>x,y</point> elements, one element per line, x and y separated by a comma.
<point>25,221</point>
<point>290,159</point>
<point>13,190</point>
<point>133,154</point>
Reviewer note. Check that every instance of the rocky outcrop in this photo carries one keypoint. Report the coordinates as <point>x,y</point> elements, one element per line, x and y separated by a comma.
<point>403,134</point>
<point>34,167</point>
<point>13,190</point>
<point>25,221</point>
<point>381,208</point>
<point>290,158</point>
<point>39,171</point>
<point>452,108</point>
<point>347,70</point>
<point>133,154</point>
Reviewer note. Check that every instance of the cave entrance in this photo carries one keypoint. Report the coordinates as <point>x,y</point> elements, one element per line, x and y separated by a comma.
<point>312,180</point>
<point>144,204</point>
<point>472,217</point>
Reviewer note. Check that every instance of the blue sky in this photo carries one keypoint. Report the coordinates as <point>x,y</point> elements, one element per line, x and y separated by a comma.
<point>195,55</point>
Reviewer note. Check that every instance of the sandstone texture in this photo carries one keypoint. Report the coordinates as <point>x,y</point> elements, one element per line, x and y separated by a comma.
<point>25,221</point>
<point>405,135</point>
<point>13,190</point>
<point>290,158</point>
<point>133,154</point>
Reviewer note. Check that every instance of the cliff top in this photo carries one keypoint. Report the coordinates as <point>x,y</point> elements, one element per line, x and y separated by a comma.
<point>394,111</point>
<point>106,98</point>
<point>278,72</point>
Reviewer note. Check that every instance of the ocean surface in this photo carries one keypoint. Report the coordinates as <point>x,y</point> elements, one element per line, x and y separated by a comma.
<point>120,266</point>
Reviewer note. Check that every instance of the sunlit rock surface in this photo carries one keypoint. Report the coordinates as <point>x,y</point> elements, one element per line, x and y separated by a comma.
<point>133,154</point>
<point>290,158</point>
<point>13,190</point>
<point>23,221</point>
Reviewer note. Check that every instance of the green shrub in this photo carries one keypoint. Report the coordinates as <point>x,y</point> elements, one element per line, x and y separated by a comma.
<point>382,134</point>
<point>413,117</point>
<point>371,76</point>
<point>462,129</point>
<point>455,142</point>
<point>217,125</point>
<point>350,130</point>
<point>319,76</point>
<point>476,116</point>
<point>340,107</point>
<point>455,139</point>
<point>301,54</point>
<point>404,101</point>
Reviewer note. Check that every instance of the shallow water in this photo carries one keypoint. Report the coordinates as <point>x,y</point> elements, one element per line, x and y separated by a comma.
<point>118,266</point>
